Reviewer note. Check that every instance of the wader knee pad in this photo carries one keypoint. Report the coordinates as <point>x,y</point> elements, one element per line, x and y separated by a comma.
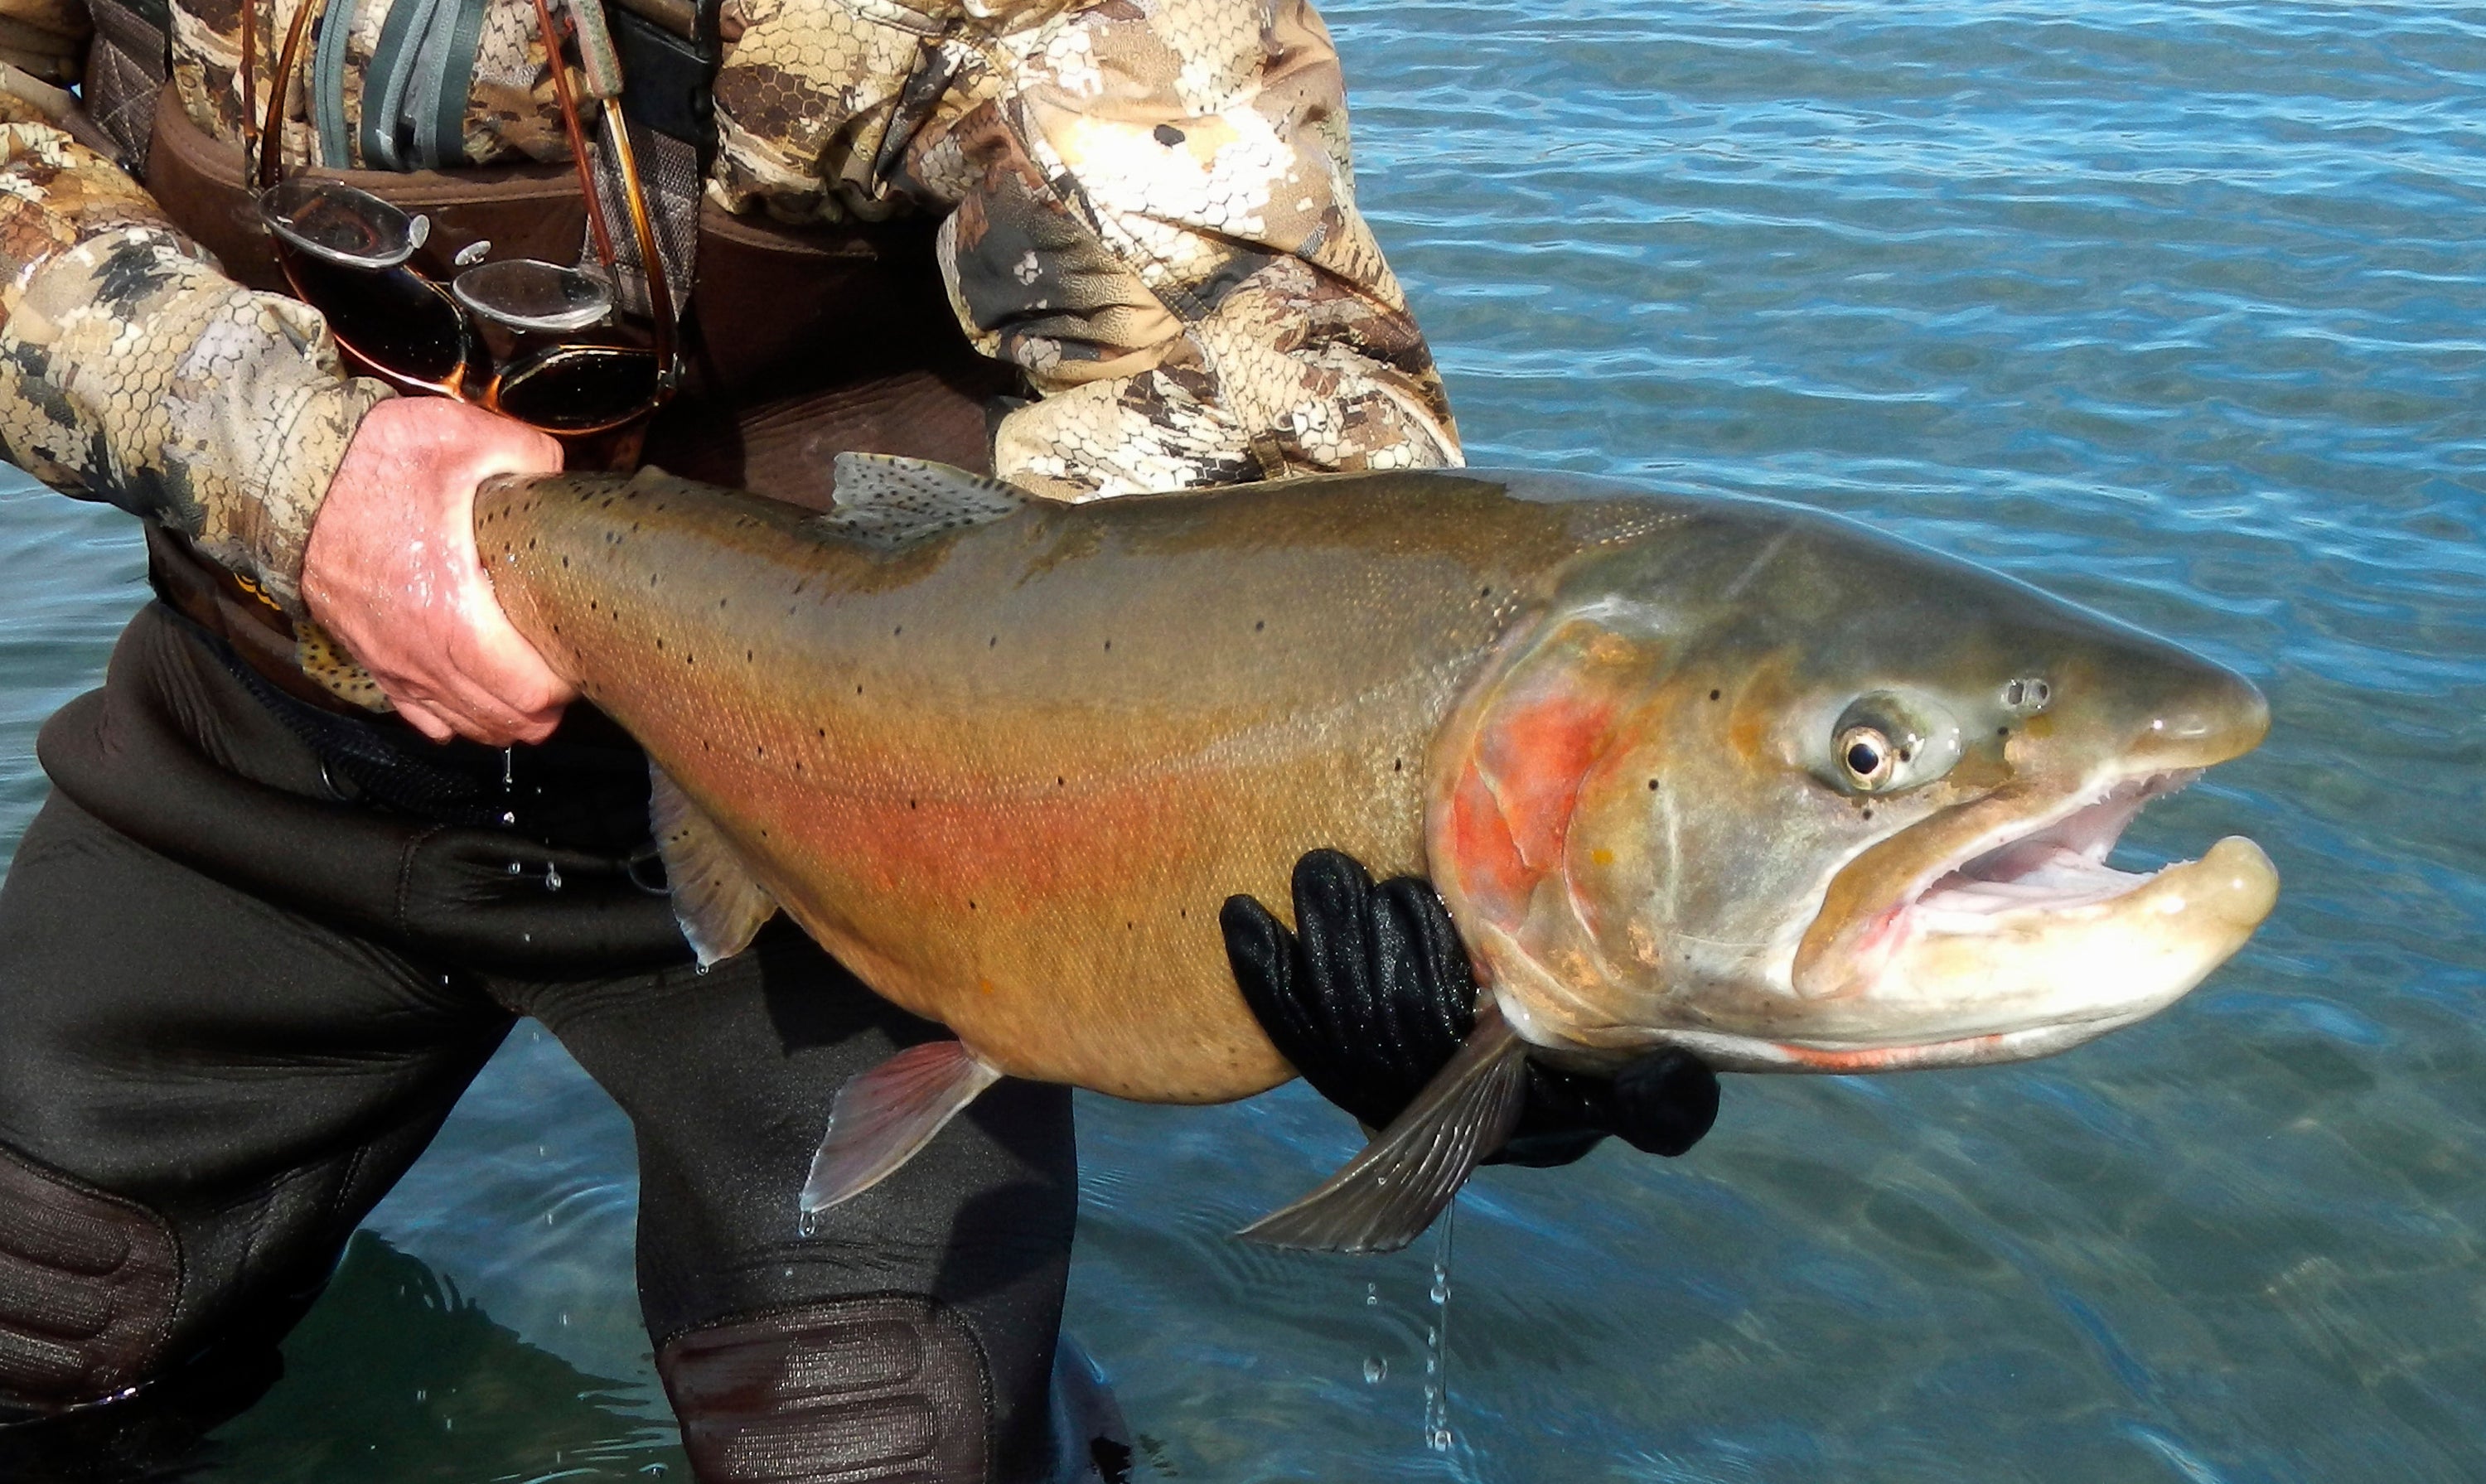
<point>87,1286</point>
<point>888,1387</point>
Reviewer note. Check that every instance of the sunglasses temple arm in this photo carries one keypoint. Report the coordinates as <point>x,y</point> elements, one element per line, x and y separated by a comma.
<point>577,136</point>
<point>271,138</point>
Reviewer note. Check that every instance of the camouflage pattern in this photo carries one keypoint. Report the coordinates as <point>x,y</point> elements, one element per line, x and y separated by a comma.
<point>131,370</point>
<point>1150,211</point>
<point>1148,208</point>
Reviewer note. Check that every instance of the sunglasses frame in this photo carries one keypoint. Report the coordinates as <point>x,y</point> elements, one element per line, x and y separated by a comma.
<point>263,142</point>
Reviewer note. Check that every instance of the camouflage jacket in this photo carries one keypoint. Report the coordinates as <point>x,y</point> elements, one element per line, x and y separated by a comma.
<point>1147,207</point>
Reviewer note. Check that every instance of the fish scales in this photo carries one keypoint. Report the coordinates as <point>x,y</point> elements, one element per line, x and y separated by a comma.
<point>1008,773</point>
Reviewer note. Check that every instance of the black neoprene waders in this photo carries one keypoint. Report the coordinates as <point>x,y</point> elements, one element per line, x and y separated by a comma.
<point>252,952</point>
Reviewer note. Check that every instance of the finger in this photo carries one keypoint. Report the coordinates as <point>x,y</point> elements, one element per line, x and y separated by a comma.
<point>1666,1102</point>
<point>422,719</point>
<point>1332,933</point>
<point>1259,952</point>
<point>1443,1011</point>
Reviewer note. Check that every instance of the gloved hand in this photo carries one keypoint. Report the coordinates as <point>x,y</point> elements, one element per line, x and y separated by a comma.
<point>1371,994</point>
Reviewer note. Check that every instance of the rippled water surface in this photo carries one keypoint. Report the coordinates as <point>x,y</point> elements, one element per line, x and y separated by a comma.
<point>2178,309</point>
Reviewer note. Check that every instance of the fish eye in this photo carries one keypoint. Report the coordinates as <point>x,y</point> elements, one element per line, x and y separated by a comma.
<point>1888,741</point>
<point>1867,757</point>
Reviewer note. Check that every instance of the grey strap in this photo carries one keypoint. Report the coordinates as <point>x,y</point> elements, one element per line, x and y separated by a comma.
<point>439,112</point>
<point>390,75</point>
<point>328,83</point>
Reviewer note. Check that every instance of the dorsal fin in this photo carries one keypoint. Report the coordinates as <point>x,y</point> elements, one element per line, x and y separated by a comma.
<point>720,907</point>
<point>887,501</point>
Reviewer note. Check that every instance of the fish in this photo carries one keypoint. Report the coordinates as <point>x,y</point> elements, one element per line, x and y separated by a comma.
<point>1723,774</point>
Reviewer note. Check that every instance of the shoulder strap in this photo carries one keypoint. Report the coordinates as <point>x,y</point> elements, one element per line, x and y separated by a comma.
<point>127,70</point>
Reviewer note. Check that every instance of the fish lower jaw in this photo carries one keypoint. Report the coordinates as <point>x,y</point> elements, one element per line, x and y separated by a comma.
<point>1747,1054</point>
<point>2026,969</point>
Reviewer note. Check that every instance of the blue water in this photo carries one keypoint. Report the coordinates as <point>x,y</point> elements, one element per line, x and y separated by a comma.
<point>2178,309</point>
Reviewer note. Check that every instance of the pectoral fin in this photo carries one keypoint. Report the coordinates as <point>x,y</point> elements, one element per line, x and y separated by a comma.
<point>721,908</point>
<point>883,1117</point>
<point>1388,1194</point>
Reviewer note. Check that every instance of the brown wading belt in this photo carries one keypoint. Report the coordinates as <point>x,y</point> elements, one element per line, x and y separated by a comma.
<point>800,342</point>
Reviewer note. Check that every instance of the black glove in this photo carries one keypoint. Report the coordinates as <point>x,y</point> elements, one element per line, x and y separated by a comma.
<point>1372,992</point>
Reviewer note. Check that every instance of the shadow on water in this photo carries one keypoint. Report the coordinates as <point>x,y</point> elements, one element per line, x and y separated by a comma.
<point>393,1376</point>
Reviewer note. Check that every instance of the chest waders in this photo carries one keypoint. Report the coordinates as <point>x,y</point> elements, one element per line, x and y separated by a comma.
<point>259,941</point>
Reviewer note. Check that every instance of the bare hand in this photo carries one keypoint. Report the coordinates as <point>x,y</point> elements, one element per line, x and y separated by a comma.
<point>392,572</point>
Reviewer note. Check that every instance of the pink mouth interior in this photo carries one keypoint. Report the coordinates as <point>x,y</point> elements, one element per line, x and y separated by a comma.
<point>2063,865</point>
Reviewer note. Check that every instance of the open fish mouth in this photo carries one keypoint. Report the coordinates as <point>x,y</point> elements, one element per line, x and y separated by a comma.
<point>2023,943</point>
<point>2057,865</point>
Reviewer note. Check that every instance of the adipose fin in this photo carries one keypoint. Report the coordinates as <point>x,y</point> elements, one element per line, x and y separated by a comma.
<point>1388,1194</point>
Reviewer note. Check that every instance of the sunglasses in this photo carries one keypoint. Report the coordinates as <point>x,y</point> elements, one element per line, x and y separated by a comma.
<point>533,340</point>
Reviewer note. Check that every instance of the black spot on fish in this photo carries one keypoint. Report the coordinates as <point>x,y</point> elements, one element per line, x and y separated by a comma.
<point>2003,731</point>
<point>565,561</point>
<point>910,804</point>
<point>900,629</point>
<point>1713,695</point>
<point>660,645</point>
<point>1257,624</point>
<point>1868,813</point>
<point>1167,135</point>
<point>1652,786</point>
<point>1109,643</point>
<point>989,643</point>
<point>1484,592</point>
<point>1397,764</point>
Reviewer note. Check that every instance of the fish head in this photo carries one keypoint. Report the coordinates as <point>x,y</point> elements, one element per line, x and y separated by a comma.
<point>1797,796</point>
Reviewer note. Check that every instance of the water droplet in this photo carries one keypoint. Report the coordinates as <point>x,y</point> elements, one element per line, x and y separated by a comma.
<point>508,816</point>
<point>1441,1290</point>
<point>809,1224</point>
<point>422,1395</point>
<point>515,867</point>
<point>552,877</point>
<point>1374,1369</point>
<point>565,1321</point>
<point>509,766</point>
<point>1441,1439</point>
<point>1371,1295</point>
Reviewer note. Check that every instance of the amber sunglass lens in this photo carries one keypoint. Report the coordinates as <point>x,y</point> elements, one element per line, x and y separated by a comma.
<point>580,388</point>
<point>396,320</point>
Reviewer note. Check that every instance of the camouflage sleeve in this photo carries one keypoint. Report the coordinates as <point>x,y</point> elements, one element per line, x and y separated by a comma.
<point>131,370</point>
<point>1155,218</point>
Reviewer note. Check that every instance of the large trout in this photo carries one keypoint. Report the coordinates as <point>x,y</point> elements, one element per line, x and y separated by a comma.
<point>1723,774</point>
